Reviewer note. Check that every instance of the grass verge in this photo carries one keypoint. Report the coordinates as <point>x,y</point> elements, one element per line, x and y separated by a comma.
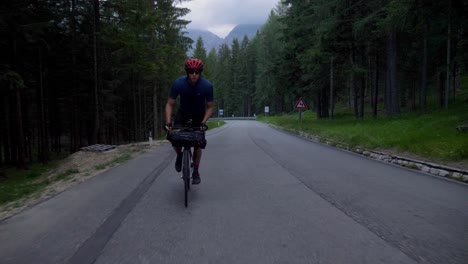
<point>215,123</point>
<point>22,183</point>
<point>432,135</point>
<point>121,159</point>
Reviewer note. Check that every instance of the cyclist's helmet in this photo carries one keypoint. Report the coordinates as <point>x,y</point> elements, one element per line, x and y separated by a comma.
<point>194,64</point>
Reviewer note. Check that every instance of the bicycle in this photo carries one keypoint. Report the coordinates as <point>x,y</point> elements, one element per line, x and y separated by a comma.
<point>187,137</point>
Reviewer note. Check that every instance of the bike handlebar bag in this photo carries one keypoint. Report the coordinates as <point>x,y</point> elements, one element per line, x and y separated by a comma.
<point>187,138</point>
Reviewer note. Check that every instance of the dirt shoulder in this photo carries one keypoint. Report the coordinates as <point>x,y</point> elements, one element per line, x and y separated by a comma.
<point>76,168</point>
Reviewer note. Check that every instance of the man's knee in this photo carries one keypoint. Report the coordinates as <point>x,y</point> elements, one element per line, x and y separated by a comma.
<point>197,149</point>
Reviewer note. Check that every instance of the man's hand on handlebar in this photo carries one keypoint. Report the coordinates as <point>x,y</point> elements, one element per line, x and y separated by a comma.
<point>203,126</point>
<point>168,126</point>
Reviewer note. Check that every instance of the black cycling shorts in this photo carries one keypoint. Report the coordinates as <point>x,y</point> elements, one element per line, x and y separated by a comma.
<point>182,118</point>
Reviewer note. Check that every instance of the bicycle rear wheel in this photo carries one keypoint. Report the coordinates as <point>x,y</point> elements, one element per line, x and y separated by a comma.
<point>186,173</point>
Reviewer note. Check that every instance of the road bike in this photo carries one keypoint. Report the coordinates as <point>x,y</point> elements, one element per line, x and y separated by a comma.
<point>187,137</point>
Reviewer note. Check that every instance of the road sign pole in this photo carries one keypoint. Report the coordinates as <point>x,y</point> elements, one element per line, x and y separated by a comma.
<point>300,105</point>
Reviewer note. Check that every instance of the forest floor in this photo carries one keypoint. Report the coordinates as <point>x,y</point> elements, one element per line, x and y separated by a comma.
<point>76,168</point>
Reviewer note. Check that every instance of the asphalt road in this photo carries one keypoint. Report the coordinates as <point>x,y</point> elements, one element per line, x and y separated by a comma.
<point>266,197</point>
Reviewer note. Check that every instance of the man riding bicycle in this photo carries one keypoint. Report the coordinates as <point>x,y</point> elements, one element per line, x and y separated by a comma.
<point>196,103</point>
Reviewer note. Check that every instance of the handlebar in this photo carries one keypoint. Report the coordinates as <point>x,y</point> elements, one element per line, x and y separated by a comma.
<point>190,127</point>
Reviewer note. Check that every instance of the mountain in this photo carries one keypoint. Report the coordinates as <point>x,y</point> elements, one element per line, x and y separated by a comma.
<point>209,39</point>
<point>240,31</point>
<point>213,41</point>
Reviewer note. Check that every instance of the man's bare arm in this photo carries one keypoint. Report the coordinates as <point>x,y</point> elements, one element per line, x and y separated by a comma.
<point>169,107</point>
<point>209,111</point>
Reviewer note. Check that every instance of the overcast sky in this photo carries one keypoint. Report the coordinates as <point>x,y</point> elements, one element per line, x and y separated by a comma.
<point>221,16</point>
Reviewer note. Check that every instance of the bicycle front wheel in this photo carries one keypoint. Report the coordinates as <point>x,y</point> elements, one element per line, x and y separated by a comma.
<point>186,173</point>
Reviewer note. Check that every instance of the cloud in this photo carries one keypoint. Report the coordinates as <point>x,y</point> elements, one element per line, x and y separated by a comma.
<point>220,16</point>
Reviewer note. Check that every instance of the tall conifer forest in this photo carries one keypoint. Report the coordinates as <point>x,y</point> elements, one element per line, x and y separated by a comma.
<point>79,72</point>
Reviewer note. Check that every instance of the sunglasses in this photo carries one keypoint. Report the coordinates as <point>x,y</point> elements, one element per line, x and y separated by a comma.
<point>193,71</point>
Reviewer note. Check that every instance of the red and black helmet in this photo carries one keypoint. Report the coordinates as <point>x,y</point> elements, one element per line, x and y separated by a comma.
<point>194,64</point>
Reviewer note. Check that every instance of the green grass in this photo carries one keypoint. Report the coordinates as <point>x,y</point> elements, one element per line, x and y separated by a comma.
<point>23,183</point>
<point>118,160</point>
<point>215,124</point>
<point>432,135</point>
<point>20,183</point>
<point>67,174</point>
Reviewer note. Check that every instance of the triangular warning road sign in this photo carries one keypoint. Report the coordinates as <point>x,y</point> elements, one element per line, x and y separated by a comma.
<point>300,104</point>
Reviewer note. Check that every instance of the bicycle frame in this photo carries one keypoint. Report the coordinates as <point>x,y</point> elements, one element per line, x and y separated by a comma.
<point>187,162</point>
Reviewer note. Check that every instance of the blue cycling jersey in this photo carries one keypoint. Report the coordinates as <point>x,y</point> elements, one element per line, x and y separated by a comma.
<point>193,98</point>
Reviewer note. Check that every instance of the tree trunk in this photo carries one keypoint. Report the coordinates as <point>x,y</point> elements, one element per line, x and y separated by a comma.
<point>156,120</point>
<point>362,95</point>
<point>363,86</point>
<point>135,110</point>
<point>18,148</point>
<point>355,85</point>
<point>95,136</point>
<point>43,135</point>
<point>140,99</point>
<point>332,102</point>
<point>423,92</point>
<point>20,158</point>
<point>322,103</point>
<point>375,86</point>
<point>74,106</point>
<point>393,100</point>
<point>447,75</point>
<point>350,81</point>
<point>441,87</point>
<point>2,134</point>
<point>412,92</point>
<point>145,114</point>
<point>456,79</point>
<point>162,117</point>
<point>7,131</point>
